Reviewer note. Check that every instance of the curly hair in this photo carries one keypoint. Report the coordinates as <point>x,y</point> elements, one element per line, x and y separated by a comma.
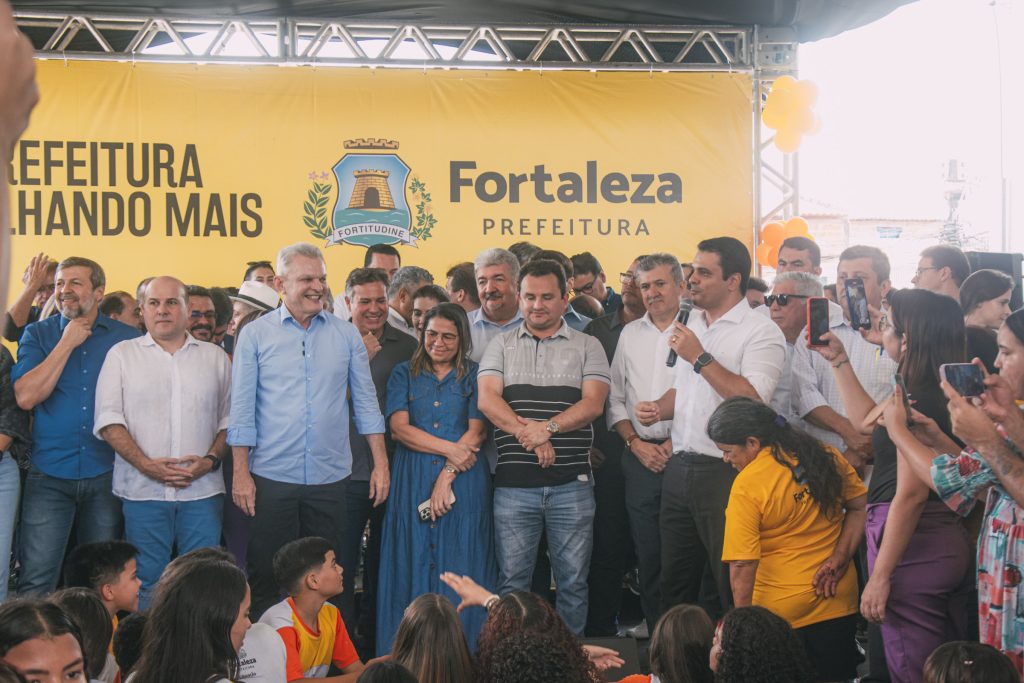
<point>760,647</point>
<point>520,612</point>
<point>531,657</point>
<point>739,418</point>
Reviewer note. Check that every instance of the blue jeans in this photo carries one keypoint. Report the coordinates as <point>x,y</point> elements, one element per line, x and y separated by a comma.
<point>49,508</point>
<point>566,512</point>
<point>156,527</point>
<point>10,490</point>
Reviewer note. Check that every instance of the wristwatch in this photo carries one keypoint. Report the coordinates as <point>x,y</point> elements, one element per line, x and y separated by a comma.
<point>703,360</point>
<point>553,427</point>
<point>450,469</point>
<point>215,460</point>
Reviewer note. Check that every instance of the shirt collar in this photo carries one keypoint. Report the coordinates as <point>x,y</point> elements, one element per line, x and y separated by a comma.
<point>148,340</point>
<point>101,321</point>
<point>736,314</point>
<point>562,331</point>
<point>479,317</point>
<point>284,315</point>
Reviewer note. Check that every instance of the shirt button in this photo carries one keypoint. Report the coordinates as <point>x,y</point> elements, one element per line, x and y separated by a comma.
<point>436,403</point>
<point>436,424</point>
<point>433,462</point>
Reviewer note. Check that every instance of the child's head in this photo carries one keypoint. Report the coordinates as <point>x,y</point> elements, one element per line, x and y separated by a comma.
<point>128,642</point>
<point>387,671</point>
<point>308,564</point>
<point>681,644</point>
<point>109,569</point>
<point>967,662</point>
<point>89,613</point>
<point>38,636</point>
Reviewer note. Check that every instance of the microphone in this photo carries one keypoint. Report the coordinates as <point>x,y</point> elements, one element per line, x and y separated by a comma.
<point>685,307</point>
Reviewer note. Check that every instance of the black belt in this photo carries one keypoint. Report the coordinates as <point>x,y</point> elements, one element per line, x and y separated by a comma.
<point>697,458</point>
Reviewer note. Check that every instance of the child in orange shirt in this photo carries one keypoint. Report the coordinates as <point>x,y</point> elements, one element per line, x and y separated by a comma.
<point>314,634</point>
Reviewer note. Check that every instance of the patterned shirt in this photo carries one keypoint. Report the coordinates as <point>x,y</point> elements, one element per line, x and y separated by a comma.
<point>310,650</point>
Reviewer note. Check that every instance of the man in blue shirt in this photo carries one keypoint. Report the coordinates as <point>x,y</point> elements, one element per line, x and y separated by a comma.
<point>293,369</point>
<point>69,483</point>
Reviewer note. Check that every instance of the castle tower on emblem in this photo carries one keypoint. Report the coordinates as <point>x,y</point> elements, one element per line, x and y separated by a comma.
<point>371,192</point>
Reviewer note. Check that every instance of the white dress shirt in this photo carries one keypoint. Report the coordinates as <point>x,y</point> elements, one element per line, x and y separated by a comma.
<point>745,343</point>
<point>172,406</point>
<point>639,374</point>
<point>814,385</point>
<point>398,322</point>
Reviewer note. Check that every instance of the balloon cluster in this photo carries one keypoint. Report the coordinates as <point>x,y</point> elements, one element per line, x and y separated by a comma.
<point>773,235</point>
<point>789,111</point>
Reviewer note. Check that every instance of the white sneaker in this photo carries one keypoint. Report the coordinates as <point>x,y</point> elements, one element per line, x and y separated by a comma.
<point>640,631</point>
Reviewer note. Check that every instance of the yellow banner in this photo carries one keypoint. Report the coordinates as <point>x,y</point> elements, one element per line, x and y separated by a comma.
<point>194,170</point>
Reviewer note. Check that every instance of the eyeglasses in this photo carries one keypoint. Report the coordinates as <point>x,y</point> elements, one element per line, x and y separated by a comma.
<point>783,299</point>
<point>446,337</point>
<point>627,278</point>
<point>587,288</point>
<point>209,315</point>
<point>919,271</point>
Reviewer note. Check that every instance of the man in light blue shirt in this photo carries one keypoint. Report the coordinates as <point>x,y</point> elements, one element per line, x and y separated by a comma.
<point>293,369</point>
<point>497,282</point>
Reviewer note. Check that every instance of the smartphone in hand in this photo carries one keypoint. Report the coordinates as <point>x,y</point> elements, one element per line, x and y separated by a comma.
<point>817,321</point>
<point>906,398</point>
<point>966,378</point>
<point>424,508</point>
<point>857,303</point>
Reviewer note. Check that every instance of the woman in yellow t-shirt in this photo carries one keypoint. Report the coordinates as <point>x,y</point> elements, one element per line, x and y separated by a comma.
<point>795,518</point>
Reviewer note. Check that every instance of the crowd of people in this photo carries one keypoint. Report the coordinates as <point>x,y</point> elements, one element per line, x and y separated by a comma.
<point>398,475</point>
<point>194,480</point>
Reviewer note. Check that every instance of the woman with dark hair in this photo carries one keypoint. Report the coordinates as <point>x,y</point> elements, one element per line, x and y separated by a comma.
<point>519,612</point>
<point>794,520</point>
<point>680,648</point>
<point>969,662</point>
<point>38,637</point>
<point>195,625</point>
<point>386,671</point>
<point>439,514</point>
<point>919,588</point>
<point>986,470</point>
<point>531,657</point>
<point>86,609</point>
<point>753,645</point>
<point>430,642</point>
<point>985,298</point>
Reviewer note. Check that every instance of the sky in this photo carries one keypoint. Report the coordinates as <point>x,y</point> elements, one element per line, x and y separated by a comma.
<point>902,96</point>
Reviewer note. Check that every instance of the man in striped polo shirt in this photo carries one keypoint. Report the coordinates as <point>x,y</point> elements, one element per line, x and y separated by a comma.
<point>542,384</point>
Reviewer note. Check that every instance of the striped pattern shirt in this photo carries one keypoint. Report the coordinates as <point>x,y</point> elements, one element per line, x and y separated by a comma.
<point>542,378</point>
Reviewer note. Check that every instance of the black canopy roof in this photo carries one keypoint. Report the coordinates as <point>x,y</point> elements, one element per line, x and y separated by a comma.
<point>812,19</point>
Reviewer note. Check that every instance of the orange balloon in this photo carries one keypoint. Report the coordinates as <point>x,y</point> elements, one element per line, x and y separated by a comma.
<point>771,234</point>
<point>773,116</point>
<point>796,227</point>
<point>801,120</point>
<point>784,83</point>
<point>805,93</point>
<point>767,255</point>
<point>787,140</point>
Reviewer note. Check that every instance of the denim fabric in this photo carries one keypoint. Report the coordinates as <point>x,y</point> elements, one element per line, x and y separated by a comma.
<point>50,507</point>
<point>566,512</point>
<point>10,488</point>
<point>157,527</point>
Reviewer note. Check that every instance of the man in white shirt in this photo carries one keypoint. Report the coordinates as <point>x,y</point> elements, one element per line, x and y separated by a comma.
<point>639,374</point>
<point>404,284</point>
<point>787,307</point>
<point>726,349</point>
<point>162,403</point>
<point>816,396</point>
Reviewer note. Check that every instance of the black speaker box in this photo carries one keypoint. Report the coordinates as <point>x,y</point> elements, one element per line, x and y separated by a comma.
<point>1007,263</point>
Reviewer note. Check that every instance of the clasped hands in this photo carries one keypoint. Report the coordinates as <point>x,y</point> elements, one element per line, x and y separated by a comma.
<point>534,437</point>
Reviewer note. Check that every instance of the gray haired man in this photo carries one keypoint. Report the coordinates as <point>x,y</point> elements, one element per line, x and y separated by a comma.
<point>403,285</point>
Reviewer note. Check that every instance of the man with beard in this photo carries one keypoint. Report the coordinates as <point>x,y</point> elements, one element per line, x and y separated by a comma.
<point>202,314</point>
<point>497,283</point>
<point>70,483</point>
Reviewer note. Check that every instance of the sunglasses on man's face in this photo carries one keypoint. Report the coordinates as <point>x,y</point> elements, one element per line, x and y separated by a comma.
<point>783,299</point>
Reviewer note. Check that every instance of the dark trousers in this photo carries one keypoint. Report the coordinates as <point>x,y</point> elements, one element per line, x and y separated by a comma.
<point>643,503</point>
<point>284,513</point>
<point>611,553</point>
<point>361,622</point>
<point>694,493</point>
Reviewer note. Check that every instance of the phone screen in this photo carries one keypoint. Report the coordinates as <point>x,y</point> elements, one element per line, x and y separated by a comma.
<point>966,378</point>
<point>857,302</point>
<point>817,321</point>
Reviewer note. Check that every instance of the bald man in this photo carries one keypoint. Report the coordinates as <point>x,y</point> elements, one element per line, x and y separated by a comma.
<point>162,403</point>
